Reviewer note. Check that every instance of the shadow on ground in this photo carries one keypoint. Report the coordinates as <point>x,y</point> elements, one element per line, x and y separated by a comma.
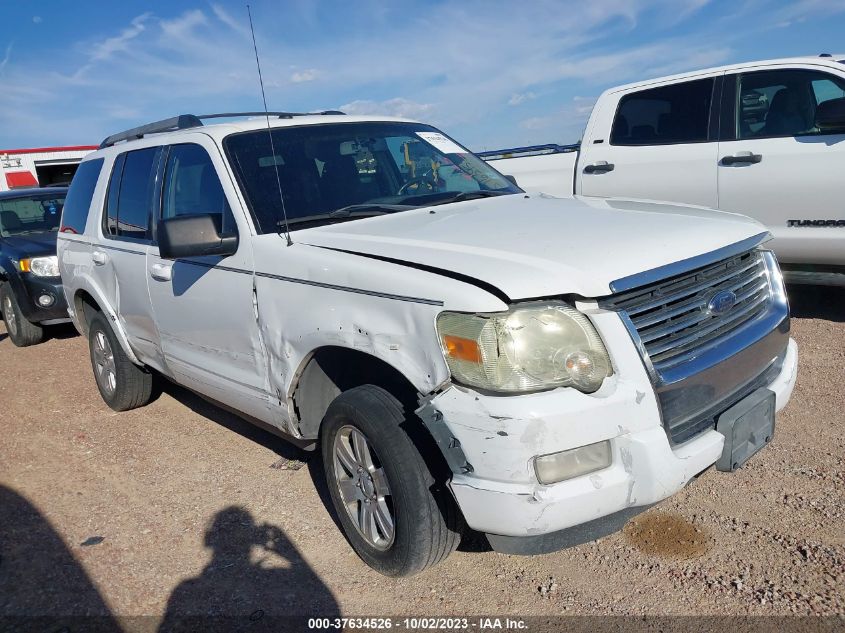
<point>817,302</point>
<point>233,422</point>
<point>256,578</point>
<point>40,576</point>
<point>255,574</point>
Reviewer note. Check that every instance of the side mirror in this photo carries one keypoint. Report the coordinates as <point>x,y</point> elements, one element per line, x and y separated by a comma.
<point>511,178</point>
<point>194,236</point>
<point>830,115</point>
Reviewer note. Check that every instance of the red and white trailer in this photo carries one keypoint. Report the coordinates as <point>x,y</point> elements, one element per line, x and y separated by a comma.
<point>40,166</point>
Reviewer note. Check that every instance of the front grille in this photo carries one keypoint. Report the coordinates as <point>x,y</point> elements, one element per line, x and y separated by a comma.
<point>672,319</point>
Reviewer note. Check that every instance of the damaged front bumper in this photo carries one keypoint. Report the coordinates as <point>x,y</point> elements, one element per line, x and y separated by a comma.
<point>499,437</point>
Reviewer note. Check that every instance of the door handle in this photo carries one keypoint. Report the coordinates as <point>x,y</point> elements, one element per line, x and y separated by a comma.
<point>99,258</point>
<point>741,158</point>
<point>599,167</point>
<point>161,272</point>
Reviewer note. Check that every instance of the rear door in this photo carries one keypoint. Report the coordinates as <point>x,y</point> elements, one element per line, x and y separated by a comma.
<point>776,166</point>
<point>205,307</point>
<point>657,143</point>
<point>120,257</point>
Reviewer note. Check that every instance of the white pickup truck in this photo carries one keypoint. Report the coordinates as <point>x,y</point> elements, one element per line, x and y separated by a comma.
<point>766,139</point>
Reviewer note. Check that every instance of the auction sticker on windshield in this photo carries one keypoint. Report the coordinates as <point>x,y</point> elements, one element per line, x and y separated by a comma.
<point>441,143</point>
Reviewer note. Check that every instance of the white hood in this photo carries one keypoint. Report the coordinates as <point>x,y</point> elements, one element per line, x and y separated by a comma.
<point>530,247</point>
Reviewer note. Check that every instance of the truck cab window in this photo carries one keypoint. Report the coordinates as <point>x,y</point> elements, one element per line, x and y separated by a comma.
<point>782,103</point>
<point>678,113</point>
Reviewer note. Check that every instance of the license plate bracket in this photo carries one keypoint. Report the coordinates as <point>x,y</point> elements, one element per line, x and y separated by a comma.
<point>747,426</point>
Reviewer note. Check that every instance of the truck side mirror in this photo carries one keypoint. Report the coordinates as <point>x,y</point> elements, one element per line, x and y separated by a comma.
<point>830,115</point>
<point>194,236</point>
<point>511,178</point>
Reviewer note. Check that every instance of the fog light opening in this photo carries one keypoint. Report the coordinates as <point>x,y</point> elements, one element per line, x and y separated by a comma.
<point>557,467</point>
<point>45,300</point>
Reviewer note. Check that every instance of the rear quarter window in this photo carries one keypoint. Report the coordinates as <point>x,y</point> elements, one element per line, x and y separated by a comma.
<point>78,200</point>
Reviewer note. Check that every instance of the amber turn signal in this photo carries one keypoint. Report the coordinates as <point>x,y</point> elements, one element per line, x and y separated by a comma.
<point>461,348</point>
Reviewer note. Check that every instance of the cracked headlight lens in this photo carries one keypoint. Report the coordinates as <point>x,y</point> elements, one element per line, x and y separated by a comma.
<point>528,348</point>
<point>40,266</point>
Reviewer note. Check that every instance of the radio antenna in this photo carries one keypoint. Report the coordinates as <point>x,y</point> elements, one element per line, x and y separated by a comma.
<point>269,131</point>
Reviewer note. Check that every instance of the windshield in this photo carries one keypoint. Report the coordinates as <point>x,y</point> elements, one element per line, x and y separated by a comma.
<point>381,167</point>
<point>32,214</point>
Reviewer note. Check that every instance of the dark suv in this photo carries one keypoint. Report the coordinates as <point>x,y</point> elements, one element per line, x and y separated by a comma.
<point>31,295</point>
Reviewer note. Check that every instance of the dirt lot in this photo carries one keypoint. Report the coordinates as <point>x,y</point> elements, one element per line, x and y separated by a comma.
<point>176,508</point>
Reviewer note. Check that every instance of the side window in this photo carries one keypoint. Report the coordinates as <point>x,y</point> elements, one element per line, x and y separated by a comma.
<point>131,191</point>
<point>678,113</point>
<point>828,88</point>
<point>192,187</point>
<point>110,227</point>
<point>782,103</point>
<point>78,200</point>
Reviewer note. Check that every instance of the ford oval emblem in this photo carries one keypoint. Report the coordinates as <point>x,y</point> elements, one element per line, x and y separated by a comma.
<point>721,302</point>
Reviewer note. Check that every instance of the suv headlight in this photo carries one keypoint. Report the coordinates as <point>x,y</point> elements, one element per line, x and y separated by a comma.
<point>40,266</point>
<point>530,347</point>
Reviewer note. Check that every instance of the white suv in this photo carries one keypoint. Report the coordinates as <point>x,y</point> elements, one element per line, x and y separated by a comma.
<point>539,369</point>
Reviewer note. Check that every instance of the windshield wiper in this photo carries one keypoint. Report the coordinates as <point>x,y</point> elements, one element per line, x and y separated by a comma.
<point>364,210</point>
<point>472,195</point>
<point>367,209</point>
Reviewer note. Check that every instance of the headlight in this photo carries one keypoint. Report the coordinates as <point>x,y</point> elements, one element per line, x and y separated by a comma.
<point>40,266</point>
<point>528,348</point>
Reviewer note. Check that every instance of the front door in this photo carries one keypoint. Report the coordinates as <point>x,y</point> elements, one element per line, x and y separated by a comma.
<point>661,146</point>
<point>777,167</point>
<point>204,306</point>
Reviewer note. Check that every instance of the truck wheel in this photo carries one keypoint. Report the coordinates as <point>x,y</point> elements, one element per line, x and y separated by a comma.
<point>122,384</point>
<point>22,332</point>
<point>396,516</point>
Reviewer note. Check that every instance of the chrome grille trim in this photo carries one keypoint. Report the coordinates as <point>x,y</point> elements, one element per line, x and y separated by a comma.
<point>670,317</point>
<point>702,363</point>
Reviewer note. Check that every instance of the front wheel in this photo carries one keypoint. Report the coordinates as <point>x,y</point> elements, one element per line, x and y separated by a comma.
<point>22,332</point>
<point>122,384</point>
<point>396,516</point>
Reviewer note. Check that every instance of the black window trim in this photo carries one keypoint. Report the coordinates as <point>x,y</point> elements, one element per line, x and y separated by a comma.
<point>104,213</point>
<point>710,137</point>
<point>735,103</point>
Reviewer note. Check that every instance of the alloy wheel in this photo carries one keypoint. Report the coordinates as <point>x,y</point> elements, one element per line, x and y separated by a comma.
<point>11,318</point>
<point>363,486</point>
<point>104,367</point>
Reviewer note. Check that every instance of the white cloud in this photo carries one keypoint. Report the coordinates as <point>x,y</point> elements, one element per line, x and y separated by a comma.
<point>37,19</point>
<point>398,107</point>
<point>226,18</point>
<point>519,98</point>
<point>6,57</point>
<point>304,75</point>
<point>104,50</point>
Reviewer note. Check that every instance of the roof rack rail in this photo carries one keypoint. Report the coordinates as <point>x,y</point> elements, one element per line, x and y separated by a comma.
<point>186,121</point>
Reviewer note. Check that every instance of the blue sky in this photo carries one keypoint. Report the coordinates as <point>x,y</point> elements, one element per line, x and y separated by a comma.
<point>490,73</point>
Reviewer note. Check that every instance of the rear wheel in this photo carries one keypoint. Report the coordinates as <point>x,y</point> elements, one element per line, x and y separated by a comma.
<point>122,384</point>
<point>397,517</point>
<point>22,332</point>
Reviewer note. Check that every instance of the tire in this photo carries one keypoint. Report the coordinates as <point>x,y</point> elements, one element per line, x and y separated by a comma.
<point>426,522</point>
<point>122,384</point>
<point>22,332</point>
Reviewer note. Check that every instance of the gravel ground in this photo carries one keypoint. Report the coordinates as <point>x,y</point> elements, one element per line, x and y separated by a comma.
<point>180,507</point>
